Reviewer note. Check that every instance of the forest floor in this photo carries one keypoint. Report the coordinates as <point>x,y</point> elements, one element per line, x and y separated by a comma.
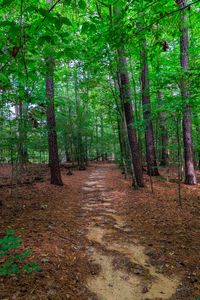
<point>97,238</point>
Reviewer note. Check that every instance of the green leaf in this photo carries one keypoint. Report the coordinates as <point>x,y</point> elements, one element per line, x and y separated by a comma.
<point>58,24</point>
<point>23,255</point>
<point>66,21</point>
<point>81,4</point>
<point>32,8</point>
<point>8,269</point>
<point>4,81</point>
<point>88,27</point>
<point>10,232</point>
<point>7,2</point>
<point>43,12</point>
<point>85,27</point>
<point>45,38</point>
<point>32,267</point>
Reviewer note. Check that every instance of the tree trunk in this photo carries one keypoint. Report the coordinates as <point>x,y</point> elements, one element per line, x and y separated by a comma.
<point>123,141</point>
<point>190,176</point>
<point>102,137</point>
<point>121,146</point>
<point>86,130</point>
<point>128,109</point>
<point>125,95</point>
<point>149,135</point>
<point>22,145</point>
<point>80,146</point>
<point>51,124</point>
<point>125,155</point>
<point>163,135</point>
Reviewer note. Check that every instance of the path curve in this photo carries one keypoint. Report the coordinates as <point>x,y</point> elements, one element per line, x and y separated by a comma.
<point>125,271</point>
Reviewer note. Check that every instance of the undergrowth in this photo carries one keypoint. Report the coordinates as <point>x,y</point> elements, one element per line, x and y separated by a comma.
<point>12,262</point>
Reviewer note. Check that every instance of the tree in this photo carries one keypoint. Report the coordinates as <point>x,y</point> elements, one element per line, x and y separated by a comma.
<point>163,132</point>
<point>51,125</point>
<point>128,109</point>
<point>152,169</point>
<point>190,176</point>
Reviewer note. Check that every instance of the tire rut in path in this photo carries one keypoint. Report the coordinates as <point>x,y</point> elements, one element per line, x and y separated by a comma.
<point>143,282</point>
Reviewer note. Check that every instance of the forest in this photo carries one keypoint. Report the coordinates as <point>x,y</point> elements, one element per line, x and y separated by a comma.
<point>100,150</point>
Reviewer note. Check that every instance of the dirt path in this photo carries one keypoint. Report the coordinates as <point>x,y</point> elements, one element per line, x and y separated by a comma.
<point>125,271</point>
<point>96,238</point>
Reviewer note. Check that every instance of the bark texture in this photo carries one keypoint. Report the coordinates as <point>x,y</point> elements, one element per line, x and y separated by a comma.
<point>190,176</point>
<point>80,145</point>
<point>125,95</point>
<point>51,124</point>
<point>128,110</point>
<point>163,135</point>
<point>149,134</point>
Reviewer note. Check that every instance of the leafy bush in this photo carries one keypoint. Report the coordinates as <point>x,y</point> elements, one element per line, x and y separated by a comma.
<point>13,263</point>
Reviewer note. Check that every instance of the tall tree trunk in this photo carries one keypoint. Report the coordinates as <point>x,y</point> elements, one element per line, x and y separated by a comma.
<point>124,144</point>
<point>71,128</point>
<point>190,176</point>
<point>152,169</point>
<point>97,139</point>
<point>121,146</point>
<point>163,135</point>
<point>128,109</point>
<point>125,155</point>
<point>125,95</point>
<point>102,137</point>
<point>86,130</point>
<point>51,124</point>
<point>80,146</point>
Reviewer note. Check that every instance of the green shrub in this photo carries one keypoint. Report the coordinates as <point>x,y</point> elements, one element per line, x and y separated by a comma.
<point>13,263</point>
